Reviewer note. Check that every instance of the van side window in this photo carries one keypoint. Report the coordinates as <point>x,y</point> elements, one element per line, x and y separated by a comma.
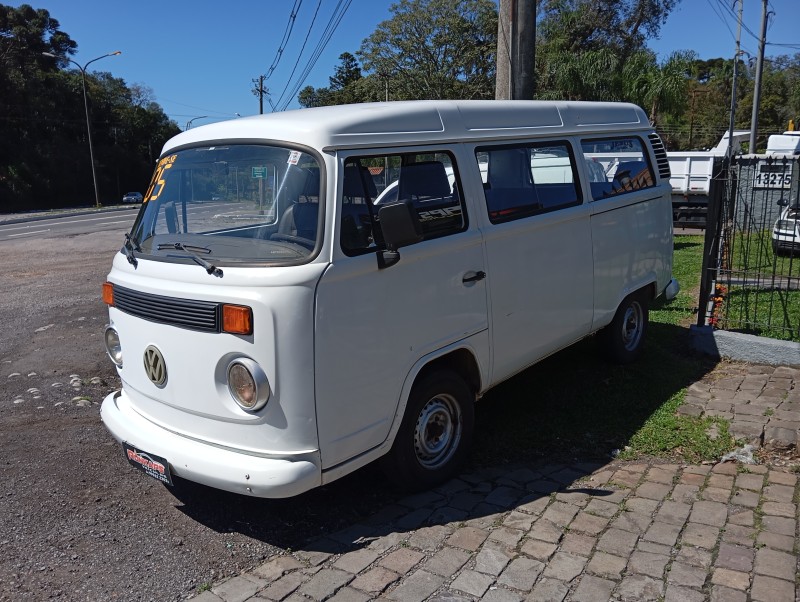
<point>428,180</point>
<point>617,165</point>
<point>520,181</point>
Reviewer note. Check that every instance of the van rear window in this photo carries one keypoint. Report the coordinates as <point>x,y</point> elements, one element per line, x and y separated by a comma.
<point>617,166</point>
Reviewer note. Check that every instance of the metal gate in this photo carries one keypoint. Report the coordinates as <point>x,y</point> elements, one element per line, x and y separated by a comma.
<point>751,265</point>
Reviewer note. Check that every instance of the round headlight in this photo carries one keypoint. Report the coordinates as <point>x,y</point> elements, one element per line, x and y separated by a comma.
<point>113,346</point>
<point>248,384</point>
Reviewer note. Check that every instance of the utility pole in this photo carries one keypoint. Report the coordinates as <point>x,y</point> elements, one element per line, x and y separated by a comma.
<point>759,69</point>
<point>516,50</point>
<point>733,82</point>
<point>259,90</point>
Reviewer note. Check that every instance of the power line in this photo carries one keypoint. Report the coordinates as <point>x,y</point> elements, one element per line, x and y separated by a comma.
<point>286,35</point>
<point>299,54</point>
<point>327,34</point>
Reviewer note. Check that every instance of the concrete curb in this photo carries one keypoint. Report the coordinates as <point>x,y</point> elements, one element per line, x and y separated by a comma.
<point>744,347</point>
<point>37,216</point>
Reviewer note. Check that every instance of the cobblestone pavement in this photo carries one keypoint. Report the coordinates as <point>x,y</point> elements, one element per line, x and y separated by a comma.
<point>725,532</point>
<point>762,403</point>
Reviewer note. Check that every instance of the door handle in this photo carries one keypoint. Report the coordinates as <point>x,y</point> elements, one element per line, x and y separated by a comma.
<point>479,275</point>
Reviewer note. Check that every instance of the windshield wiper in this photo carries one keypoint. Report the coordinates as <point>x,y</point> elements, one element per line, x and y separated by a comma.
<point>129,247</point>
<point>188,249</point>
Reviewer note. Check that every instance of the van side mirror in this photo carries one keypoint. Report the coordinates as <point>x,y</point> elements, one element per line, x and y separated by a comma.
<point>782,202</point>
<point>400,227</point>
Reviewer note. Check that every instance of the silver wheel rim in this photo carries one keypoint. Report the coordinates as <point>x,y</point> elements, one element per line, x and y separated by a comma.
<point>632,326</point>
<point>437,432</point>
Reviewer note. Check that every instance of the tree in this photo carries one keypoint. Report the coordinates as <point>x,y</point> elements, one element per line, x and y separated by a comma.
<point>435,49</point>
<point>44,159</point>
<point>658,87</point>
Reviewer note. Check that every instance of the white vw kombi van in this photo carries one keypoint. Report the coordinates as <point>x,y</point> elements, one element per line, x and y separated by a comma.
<point>305,292</point>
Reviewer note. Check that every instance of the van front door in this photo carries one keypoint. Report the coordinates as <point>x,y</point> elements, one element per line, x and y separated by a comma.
<point>372,325</point>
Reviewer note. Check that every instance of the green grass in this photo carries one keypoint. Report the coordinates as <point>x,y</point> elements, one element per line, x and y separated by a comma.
<point>574,404</point>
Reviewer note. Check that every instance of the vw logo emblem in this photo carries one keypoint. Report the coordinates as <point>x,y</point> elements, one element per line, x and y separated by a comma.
<point>154,366</point>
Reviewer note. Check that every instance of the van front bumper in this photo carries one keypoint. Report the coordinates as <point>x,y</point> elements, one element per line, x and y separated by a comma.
<point>672,290</point>
<point>211,465</point>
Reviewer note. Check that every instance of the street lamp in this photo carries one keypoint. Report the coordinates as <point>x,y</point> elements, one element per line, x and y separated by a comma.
<point>189,123</point>
<point>86,107</point>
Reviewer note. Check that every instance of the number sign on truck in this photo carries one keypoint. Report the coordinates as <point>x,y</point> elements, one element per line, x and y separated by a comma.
<point>770,174</point>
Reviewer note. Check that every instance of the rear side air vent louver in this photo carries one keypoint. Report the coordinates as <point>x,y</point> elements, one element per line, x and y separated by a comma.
<point>661,156</point>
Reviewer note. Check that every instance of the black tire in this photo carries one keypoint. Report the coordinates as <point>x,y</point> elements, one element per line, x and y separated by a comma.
<point>623,340</point>
<point>436,432</point>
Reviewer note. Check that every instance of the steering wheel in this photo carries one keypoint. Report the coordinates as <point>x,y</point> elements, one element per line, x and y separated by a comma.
<point>298,240</point>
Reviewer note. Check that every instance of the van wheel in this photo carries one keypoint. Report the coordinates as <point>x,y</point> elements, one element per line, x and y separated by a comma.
<point>623,339</point>
<point>435,434</point>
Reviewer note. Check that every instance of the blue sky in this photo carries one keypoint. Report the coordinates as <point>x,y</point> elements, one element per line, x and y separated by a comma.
<point>199,57</point>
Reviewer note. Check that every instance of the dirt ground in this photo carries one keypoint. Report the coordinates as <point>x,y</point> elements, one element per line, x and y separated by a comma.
<point>76,521</point>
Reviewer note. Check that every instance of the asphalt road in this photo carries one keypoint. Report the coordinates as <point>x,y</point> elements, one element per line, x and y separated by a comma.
<point>76,521</point>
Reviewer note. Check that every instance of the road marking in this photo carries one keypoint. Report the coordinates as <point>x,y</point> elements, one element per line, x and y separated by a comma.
<point>26,233</point>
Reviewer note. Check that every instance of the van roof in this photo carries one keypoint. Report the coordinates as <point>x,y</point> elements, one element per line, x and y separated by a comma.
<point>420,121</point>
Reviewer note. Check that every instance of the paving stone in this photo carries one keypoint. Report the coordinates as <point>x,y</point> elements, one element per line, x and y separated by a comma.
<point>325,583</point>
<point>447,561</point>
<point>663,533</point>
<point>387,542</point>
<point>732,579</point>
<point>429,538</point>
<point>560,514</point>
<point>549,590</point>
<point>538,549</point>
<point>466,500</point>
<point>588,523</point>
<point>775,541</point>
<point>284,586</point>
<point>577,543</point>
<point>702,536</point>
<point>546,531</point>
<point>413,520</point>
<point>662,474</point>
<point>709,513</point>
<point>237,589</point>
<point>447,515</point>
<point>737,558</point>
<point>743,497</point>
<point>778,477</point>
<point>753,482</point>
<point>632,521</point>
<point>639,588</point>
<point>692,479</point>
<point>693,556</point>
<point>402,560</point>
<point>641,505</point>
<point>714,494</point>
<point>769,589</point>
<point>778,493</point>
<point>685,493</point>
<point>506,536</point>
<point>645,563</point>
<point>533,504</point>
<point>420,500</point>
<point>653,548</point>
<point>207,597</point>
<point>653,491</point>
<point>736,534</point>
<point>468,538</point>
<point>602,508</point>
<point>617,542</point>
<point>779,525</point>
<point>673,513</point>
<point>592,589</point>
<point>492,561</point>
<point>686,575</point>
<point>486,517</point>
<point>677,593</point>
<point>472,583</point>
<point>577,498</point>
<point>737,515</point>
<point>355,562</point>
<point>565,566</point>
<point>504,497</point>
<point>607,565</point>
<point>347,594</point>
<point>774,563</point>
<point>499,594</point>
<point>276,567</point>
<point>518,520</point>
<point>521,573</point>
<point>417,587</point>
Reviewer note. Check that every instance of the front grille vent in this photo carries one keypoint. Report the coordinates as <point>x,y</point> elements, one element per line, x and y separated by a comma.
<point>183,313</point>
<point>661,156</point>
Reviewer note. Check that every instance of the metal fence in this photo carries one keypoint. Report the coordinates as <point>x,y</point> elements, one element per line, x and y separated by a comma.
<point>751,265</point>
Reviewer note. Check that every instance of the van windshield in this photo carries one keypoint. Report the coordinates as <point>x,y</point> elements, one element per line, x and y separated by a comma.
<point>232,204</point>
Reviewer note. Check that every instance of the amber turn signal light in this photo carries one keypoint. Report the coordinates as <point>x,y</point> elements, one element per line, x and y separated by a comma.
<point>108,294</point>
<point>237,319</point>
